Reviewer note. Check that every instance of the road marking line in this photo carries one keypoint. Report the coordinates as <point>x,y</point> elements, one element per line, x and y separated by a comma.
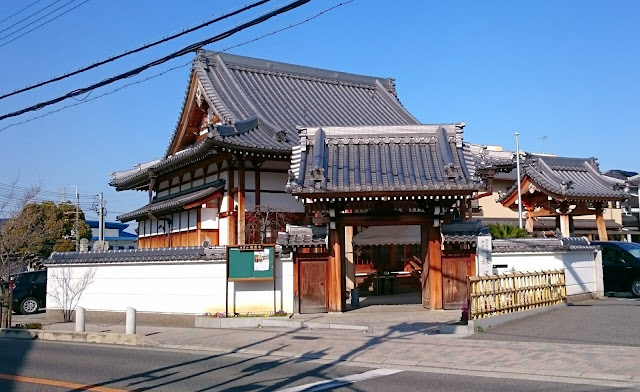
<point>55,383</point>
<point>342,381</point>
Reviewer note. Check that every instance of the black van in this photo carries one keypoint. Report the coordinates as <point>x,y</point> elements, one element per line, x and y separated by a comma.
<point>620,266</point>
<point>30,292</point>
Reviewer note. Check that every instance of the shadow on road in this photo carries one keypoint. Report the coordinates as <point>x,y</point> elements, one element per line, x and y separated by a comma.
<point>165,376</point>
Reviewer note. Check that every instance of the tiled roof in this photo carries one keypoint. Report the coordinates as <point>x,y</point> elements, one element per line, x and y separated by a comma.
<point>303,236</point>
<point>568,179</point>
<point>480,157</point>
<point>218,253</point>
<point>174,202</point>
<point>549,223</point>
<point>526,245</point>
<point>262,102</point>
<point>364,159</point>
<point>284,96</point>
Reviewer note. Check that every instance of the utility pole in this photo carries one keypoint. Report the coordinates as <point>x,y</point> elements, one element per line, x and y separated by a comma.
<point>101,215</point>
<point>77,218</point>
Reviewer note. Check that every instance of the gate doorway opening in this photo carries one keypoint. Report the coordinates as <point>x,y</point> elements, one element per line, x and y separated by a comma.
<point>387,265</point>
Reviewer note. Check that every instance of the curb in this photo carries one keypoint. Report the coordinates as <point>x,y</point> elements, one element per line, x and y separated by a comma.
<point>260,322</point>
<point>82,337</point>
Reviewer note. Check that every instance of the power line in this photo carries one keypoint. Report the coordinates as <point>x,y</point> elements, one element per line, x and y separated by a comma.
<point>32,15</point>
<point>136,50</point>
<point>42,24</point>
<point>178,53</point>
<point>12,15</point>
<point>84,100</point>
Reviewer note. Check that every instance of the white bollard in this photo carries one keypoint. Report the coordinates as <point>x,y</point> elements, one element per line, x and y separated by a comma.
<point>130,328</point>
<point>79,319</point>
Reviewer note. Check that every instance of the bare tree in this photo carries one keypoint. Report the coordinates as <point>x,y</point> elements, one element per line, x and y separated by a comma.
<point>68,286</point>
<point>263,223</point>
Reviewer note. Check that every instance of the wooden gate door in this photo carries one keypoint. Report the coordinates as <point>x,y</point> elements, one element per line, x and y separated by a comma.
<point>456,266</point>
<point>312,285</point>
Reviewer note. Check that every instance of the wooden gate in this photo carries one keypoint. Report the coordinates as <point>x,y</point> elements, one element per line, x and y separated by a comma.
<point>311,284</point>
<point>456,266</point>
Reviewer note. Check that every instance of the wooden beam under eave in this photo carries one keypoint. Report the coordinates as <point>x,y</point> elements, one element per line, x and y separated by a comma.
<point>513,197</point>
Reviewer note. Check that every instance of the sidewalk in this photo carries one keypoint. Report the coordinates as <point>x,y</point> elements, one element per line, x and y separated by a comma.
<point>400,346</point>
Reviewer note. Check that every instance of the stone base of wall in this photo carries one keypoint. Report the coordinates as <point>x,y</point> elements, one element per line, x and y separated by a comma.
<point>142,318</point>
<point>582,297</point>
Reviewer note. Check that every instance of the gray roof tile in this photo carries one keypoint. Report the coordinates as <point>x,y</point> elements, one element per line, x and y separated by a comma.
<point>218,253</point>
<point>279,97</point>
<point>380,158</point>
<point>568,179</point>
<point>174,202</point>
<point>526,245</point>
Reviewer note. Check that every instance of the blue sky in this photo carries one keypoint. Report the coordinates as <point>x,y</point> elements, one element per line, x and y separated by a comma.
<point>565,75</point>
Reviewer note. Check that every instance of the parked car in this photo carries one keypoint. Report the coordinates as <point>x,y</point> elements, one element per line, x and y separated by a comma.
<point>621,266</point>
<point>30,292</point>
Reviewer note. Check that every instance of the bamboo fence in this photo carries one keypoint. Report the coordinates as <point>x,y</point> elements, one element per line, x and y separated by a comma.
<point>507,293</point>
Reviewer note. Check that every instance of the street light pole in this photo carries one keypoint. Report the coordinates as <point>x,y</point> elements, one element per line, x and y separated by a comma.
<point>518,173</point>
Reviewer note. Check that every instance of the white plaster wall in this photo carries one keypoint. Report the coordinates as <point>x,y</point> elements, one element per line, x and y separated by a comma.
<point>248,296</point>
<point>582,271</point>
<point>279,202</point>
<point>209,218</point>
<point>188,287</point>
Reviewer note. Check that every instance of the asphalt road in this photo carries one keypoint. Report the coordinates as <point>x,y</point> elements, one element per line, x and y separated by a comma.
<point>610,321</point>
<point>51,366</point>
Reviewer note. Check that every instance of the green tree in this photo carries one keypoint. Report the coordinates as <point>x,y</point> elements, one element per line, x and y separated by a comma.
<point>31,231</point>
<point>500,231</point>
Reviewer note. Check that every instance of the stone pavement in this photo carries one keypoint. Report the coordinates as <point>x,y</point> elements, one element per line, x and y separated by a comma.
<point>400,345</point>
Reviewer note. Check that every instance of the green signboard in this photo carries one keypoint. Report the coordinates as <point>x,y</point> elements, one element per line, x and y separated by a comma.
<point>251,262</point>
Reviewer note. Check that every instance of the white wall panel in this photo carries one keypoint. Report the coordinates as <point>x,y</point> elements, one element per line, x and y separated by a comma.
<point>581,267</point>
<point>209,218</point>
<point>187,287</point>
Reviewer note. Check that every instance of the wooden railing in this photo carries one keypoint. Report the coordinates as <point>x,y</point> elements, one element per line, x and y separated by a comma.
<point>500,294</point>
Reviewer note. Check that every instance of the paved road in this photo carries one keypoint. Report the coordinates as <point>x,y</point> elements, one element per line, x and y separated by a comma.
<point>610,321</point>
<point>48,366</point>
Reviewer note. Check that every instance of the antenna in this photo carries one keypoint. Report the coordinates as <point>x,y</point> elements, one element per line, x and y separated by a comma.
<point>544,142</point>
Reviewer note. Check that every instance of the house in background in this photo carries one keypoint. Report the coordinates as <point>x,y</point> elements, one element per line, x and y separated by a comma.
<point>114,233</point>
<point>630,181</point>
<point>569,194</point>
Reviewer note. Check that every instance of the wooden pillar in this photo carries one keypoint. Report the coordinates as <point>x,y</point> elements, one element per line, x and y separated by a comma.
<point>350,266</point>
<point>231,223</point>
<point>600,224</point>
<point>199,237</point>
<point>241,201</point>
<point>435,269</point>
<point>393,257</point>
<point>424,256</point>
<point>463,209</point>
<point>257,181</point>
<point>564,225</point>
<point>529,222</point>
<point>336,280</point>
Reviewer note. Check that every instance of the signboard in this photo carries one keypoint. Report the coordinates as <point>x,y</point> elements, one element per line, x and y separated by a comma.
<point>483,255</point>
<point>251,262</point>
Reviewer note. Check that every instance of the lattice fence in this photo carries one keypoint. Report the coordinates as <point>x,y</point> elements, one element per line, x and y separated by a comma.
<point>500,294</point>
